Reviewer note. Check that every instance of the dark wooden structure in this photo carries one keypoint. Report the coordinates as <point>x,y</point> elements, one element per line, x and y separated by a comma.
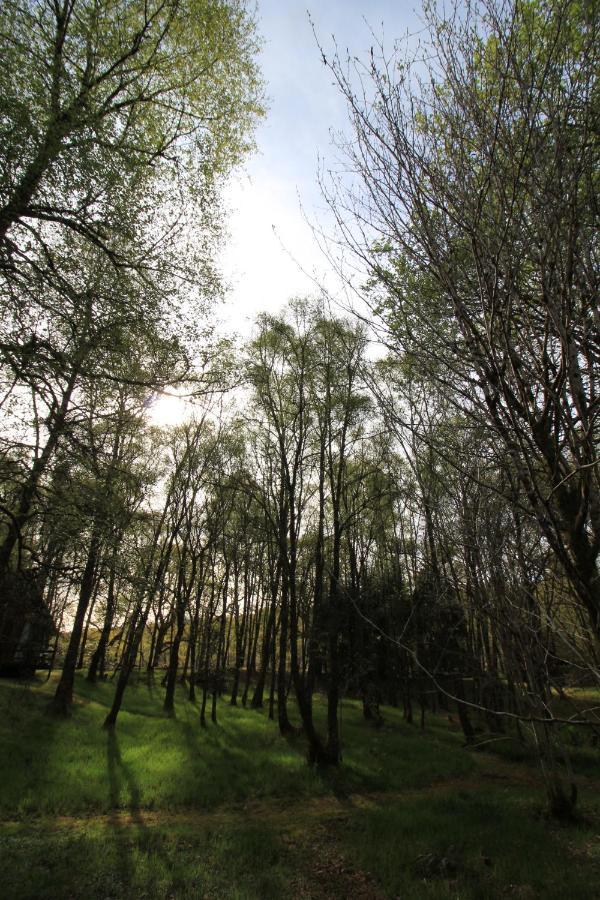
<point>25,624</point>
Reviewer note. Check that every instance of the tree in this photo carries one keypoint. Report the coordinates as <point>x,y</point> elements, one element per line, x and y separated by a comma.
<point>101,503</point>
<point>119,121</point>
<point>304,370</point>
<point>477,225</point>
<point>99,329</point>
<point>117,93</point>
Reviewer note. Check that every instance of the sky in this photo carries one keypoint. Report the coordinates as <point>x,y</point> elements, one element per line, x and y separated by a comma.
<point>271,254</point>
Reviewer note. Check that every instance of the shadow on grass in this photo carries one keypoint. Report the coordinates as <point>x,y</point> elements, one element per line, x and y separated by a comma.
<point>121,780</point>
<point>334,781</point>
<point>27,738</point>
<point>472,843</point>
<point>146,703</point>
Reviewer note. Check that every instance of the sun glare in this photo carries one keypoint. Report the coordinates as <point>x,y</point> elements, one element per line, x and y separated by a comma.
<point>169,409</point>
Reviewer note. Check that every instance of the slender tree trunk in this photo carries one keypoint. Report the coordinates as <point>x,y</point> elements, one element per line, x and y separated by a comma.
<point>132,645</point>
<point>206,672</point>
<point>63,698</point>
<point>268,639</point>
<point>273,671</point>
<point>252,651</point>
<point>235,623</point>
<point>333,685</point>
<point>171,676</point>
<point>99,655</point>
<point>285,726</point>
<point>88,619</point>
<point>219,666</point>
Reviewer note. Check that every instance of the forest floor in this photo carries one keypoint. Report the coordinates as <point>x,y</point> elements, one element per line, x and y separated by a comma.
<point>165,809</point>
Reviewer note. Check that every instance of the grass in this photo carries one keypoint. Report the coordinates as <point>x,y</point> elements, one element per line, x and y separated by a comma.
<point>110,860</point>
<point>163,808</point>
<point>74,767</point>
<point>493,844</point>
<point>149,762</point>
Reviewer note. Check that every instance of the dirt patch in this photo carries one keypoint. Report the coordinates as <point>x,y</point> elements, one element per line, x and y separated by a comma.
<point>324,873</point>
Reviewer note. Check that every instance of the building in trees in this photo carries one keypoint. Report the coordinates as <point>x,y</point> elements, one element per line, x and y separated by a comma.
<point>25,624</point>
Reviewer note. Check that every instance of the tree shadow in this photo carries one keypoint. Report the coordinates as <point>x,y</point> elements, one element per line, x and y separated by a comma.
<point>121,779</point>
<point>28,726</point>
<point>334,779</point>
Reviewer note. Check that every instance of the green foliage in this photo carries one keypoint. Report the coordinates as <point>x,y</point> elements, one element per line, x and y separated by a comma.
<point>118,121</point>
<point>106,90</point>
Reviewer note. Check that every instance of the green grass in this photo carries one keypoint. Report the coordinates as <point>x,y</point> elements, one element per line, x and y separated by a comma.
<point>163,808</point>
<point>494,843</point>
<point>155,762</point>
<point>110,861</point>
<point>151,761</point>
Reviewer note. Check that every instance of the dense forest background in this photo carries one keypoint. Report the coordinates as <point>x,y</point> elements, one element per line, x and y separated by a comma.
<point>400,504</point>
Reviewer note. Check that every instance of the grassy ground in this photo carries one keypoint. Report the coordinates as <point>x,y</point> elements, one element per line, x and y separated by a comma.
<point>164,809</point>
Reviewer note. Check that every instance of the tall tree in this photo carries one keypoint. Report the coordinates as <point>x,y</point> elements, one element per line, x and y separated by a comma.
<point>481,193</point>
<point>120,120</point>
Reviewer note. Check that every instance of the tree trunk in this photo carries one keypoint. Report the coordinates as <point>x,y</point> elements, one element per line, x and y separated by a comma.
<point>63,698</point>
<point>97,661</point>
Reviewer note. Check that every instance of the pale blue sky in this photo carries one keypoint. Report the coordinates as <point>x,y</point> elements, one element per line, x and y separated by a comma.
<point>303,107</point>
